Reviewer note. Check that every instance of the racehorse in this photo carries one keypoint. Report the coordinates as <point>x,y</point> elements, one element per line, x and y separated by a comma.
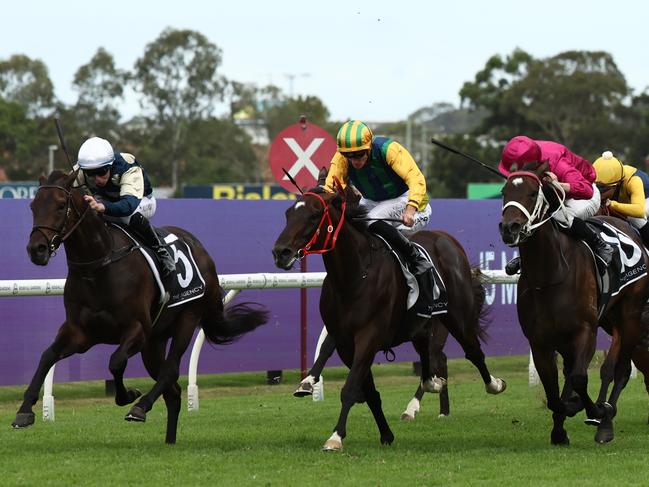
<point>439,368</point>
<point>110,295</point>
<point>558,301</point>
<point>363,299</point>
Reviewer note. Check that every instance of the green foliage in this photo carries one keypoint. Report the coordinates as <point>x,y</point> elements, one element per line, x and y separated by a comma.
<point>101,87</point>
<point>26,81</point>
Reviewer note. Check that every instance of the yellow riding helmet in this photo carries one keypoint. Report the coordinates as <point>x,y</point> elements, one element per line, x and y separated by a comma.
<point>354,136</point>
<point>609,169</point>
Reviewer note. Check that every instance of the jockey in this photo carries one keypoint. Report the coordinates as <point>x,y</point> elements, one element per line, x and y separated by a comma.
<point>391,186</point>
<point>630,188</point>
<point>575,175</point>
<point>121,191</point>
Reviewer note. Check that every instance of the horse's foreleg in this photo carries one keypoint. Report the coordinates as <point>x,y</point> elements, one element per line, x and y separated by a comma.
<point>365,349</point>
<point>546,367</point>
<point>373,399</point>
<point>313,376</point>
<point>131,343</point>
<point>67,342</point>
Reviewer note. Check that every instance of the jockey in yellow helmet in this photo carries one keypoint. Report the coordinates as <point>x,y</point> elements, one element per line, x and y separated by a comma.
<point>391,186</point>
<point>630,188</point>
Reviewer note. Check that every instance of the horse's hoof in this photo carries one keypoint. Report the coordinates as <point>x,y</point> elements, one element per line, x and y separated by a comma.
<point>131,396</point>
<point>496,386</point>
<point>407,417</point>
<point>136,414</point>
<point>442,415</point>
<point>304,389</point>
<point>387,440</point>
<point>560,438</point>
<point>434,384</point>
<point>332,445</point>
<point>23,420</point>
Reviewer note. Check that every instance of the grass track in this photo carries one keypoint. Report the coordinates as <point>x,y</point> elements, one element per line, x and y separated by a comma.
<point>247,433</point>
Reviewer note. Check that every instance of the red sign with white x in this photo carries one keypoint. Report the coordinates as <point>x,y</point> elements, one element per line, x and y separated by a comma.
<point>301,149</point>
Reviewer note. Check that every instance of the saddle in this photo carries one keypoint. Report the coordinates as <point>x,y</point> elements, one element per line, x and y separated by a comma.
<point>431,278</point>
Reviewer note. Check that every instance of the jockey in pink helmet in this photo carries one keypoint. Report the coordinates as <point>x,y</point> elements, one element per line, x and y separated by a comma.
<point>575,175</point>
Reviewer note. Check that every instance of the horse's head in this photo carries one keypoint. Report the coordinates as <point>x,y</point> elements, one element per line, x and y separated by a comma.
<point>55,209</point>
<point>312,226</point>
<point>527,202</point>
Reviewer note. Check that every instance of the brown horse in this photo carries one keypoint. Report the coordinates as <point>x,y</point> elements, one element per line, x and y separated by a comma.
<point>558,298</point>
<point>363,300</point>
<point>110,295</point>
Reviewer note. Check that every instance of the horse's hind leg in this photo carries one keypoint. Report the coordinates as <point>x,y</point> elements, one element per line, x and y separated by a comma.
<point>131,343</point>
<point>473,353</point>
<point>167,382</point>
<point>68,341</point>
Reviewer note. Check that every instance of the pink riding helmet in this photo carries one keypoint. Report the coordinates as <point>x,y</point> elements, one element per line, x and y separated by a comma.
<point>520,149</point>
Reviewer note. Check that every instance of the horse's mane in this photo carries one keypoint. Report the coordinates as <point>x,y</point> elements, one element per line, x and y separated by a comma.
<point>355,214</point>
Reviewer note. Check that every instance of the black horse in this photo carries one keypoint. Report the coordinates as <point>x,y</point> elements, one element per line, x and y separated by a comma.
<point>363,300</point>
<point>558,302</point>
<point>110,296</point>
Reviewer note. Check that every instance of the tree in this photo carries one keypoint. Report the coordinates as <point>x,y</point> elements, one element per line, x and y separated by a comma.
<point>26,81</point>
<point>578,98</point>
<point>177,77</point>
<point>101,86</point>
<point>19,138</point>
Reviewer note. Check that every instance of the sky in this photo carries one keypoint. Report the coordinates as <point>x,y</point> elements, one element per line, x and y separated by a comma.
<point>371,60</point>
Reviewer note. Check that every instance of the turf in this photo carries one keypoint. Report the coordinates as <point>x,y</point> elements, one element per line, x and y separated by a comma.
<point>249,433</point>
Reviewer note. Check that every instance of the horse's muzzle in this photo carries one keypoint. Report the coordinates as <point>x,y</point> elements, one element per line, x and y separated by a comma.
<point>39,253</point>
<point>510,232</point>
<point>284,257</point>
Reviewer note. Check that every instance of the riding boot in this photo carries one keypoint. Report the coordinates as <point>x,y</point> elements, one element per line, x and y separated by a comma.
<point>513,266</point>
<point>644,233</point>
<point>417,263</point>
<point>581,231</point>
<point>143,227</point>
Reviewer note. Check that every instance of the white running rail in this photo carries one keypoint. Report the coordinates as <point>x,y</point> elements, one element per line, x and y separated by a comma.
<point>235,283</point>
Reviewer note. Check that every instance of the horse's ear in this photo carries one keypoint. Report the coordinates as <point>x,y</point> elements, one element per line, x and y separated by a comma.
<point>42,180</point>
<point>543,168</point>
<point>70,178</point>
<point>322,176</point>
<point>513,167</point>
<point>338,187</point>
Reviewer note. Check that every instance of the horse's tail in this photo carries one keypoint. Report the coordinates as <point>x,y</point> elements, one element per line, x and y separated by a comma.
<point>227,325</point>
<point>481,317</point>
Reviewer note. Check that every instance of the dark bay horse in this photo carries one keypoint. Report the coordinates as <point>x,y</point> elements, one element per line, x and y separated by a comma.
<point>558,301</point>
<point>363,300</point>
<point>110,295</point>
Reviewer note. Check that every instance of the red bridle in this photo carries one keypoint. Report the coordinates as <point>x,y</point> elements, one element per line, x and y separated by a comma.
<point>332,235</point>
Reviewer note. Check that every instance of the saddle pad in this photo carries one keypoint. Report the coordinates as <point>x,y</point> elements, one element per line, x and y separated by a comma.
<point>627,265</point>
<point>440,298</point>
<point>187,283</point>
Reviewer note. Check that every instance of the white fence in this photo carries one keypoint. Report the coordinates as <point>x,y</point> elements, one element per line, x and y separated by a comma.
<point>235,283</point>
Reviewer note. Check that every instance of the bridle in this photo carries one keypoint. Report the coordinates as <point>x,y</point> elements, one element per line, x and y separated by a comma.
<point>60,234</point>
<point>332,234</point>
<point>541,206</point>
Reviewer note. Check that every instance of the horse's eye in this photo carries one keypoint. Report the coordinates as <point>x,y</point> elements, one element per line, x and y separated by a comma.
<point>61,207</point>
<point>314,218</point>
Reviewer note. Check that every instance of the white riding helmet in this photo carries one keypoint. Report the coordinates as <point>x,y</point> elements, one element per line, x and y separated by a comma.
<point>95,152</point>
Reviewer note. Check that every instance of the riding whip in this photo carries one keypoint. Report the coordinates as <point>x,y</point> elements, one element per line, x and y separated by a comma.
<point>467,156</point>
<point>64,146</point>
